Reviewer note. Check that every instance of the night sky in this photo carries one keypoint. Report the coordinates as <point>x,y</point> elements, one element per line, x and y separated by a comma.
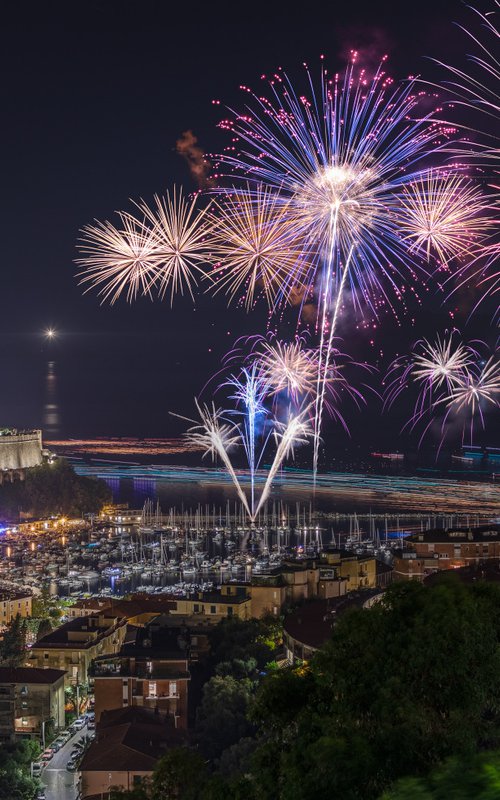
<point>94,96</point>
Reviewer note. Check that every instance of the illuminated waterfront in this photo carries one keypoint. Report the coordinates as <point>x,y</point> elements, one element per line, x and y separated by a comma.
<point>336,491</point>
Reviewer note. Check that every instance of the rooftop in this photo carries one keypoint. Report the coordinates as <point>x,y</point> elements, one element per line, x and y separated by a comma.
<point>312,624</point>
<point>158,641</point>
<point>8,592</point>
<point>483,533</point>
<point>80,633</point>
<point>27,675</point>
<point>130,739</point>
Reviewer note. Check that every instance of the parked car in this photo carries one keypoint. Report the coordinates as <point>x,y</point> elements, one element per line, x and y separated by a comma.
<point>37,768</point>
<point>57,744</point>
<point>40,795</point>
<point>79,723</point>
<point>71,765</point>
<point>47,755</point>
<point>91,725</point>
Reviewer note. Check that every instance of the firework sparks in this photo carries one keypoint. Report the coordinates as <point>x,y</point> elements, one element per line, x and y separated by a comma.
<point>288,367</point>
<point>162,251</point>
<point>444,214</point>
<point>217,437</point>
<point>181,236</point>
<point>254,243</point>
<point>118,260</point>
<point>340,162</point>
<point>449,374</point>
<point>295,432</point>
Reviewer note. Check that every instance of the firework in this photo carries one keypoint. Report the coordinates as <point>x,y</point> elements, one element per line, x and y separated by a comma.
<point>478,89</point>
<point>288,368</point>
<point>118,260</point>
<point>295,431</point>
<point>478,86</point>
<point>214,434</point>
<point>339,161</point>
<point>162,251</point>
<point>433,366</point>
<point>451,375</point>
<point>256,248</point>
<point>473,396</point>
<point>181,235</point>
<point>444,214</point>
<point>218,437</point>
<point>250,392</point>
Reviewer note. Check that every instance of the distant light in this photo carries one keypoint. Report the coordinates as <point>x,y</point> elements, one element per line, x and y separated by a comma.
<point>50,333</point>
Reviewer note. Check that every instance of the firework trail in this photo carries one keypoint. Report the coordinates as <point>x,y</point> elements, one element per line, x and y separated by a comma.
<point>164,249</point>
<point>478,88</point>
<point>339,162</point>
<point>290,434</point>
<point>217,437</point>
<point>250,392</point>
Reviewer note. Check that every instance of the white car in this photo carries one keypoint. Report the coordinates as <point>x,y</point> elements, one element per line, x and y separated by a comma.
<point>79,723</point>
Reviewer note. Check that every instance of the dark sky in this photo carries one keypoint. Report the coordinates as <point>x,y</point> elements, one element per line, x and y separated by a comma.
<point>94,96</point>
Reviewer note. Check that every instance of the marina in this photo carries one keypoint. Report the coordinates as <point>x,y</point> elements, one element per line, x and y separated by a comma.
<point>179,552</point>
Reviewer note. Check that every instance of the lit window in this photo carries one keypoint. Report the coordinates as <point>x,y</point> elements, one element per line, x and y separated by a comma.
<point>152,689</point>
<point>173,689</point>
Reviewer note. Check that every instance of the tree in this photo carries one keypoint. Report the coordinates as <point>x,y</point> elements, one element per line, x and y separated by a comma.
<point>242,641</point>
<point>53,489</point>
<point>179,775</point>
<point>399,688</point>
<point>15,777</point>
<point>13,644</point>
<point>221,720</point>
<point>474,779</point>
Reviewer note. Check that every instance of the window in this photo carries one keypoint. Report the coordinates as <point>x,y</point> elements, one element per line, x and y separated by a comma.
<point>196,608</point>
<point>45,655</point>
<point>137,780</point>
<point>213,609</point>
<point>152,689</point>
<point>173,688</point>
<point>230,611</point>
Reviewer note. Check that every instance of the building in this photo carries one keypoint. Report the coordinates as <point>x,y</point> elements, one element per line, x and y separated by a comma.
<point>359,570</point>
<point>151,671</point>
<point>29,699</point>
<point>128,745</point>
<point>309,627</point>
<point>19,450</point>
<point>211,607</point>
<point>13,601</point>
<point>73,646</point>
<point>432,551</point>
<point>137,610</point>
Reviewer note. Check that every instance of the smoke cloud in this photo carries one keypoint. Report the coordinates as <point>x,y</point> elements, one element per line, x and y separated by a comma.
<point>199,166</point>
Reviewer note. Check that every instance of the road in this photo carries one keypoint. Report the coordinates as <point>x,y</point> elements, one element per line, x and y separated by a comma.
<point>58,782</point>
